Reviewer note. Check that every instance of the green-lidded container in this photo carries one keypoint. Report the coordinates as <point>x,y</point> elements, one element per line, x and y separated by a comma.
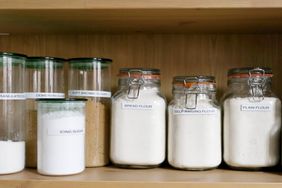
<point>44,80</point>
<point>90,78</point>
<point>12,98</point>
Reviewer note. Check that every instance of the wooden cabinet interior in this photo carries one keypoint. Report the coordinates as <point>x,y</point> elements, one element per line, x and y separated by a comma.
<point>174,54</point>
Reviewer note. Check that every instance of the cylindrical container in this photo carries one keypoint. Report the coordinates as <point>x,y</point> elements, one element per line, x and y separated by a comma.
<point>252,119</point>
<point>61,136</point>
<point>138,120</point>
<point>90,78</point>
<point>44,79</point>
<point>194,128</point>
<point>12,142</point>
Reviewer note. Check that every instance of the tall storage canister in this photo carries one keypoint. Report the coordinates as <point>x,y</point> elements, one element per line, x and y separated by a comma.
<point>90,78</point>
<point>44,80</point>
<point>12,99</point>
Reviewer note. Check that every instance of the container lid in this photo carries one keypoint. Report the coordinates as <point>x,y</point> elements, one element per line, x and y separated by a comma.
<point>146,73</point>
<point>40,62</point>
<point>188,81</point>
<point>90,59</point>
<point>11,54</point>
<point>246,72</point>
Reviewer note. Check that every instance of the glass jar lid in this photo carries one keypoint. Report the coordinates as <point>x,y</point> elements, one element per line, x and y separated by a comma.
<point>89,62</point>
<point>247,72</point>
<point>144,73</point>
<point>12,55</point>
<point>193,82</point>
<point>40,62</point>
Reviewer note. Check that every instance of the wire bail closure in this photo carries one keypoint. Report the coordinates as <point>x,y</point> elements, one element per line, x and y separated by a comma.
<point>257,84</point>
<point>134,83</point>
<point>191,95</point>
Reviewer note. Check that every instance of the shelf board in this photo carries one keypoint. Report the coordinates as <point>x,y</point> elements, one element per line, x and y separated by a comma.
<point>160,177</point>
<point>152,16</point>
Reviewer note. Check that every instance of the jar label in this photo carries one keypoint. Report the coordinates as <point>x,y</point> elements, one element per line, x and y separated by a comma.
<point>12,96</point>
<point>67,131</point>
<point>130,106</point>
<point>256,107</point>
<point>89,93</point>
<point>43,95</point>
<point>198,111</point>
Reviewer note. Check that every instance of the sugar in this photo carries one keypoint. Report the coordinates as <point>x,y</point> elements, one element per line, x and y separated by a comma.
<point>12,156</point>
<point>61,143</point>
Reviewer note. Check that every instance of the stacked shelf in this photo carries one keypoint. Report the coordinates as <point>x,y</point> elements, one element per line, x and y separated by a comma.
<point>180,37</point>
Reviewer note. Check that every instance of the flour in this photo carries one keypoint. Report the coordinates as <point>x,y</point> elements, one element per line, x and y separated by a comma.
<point>61,143</point>
<point>138,129</point>
<point>12,156</point>
<point>194,139</point>
<point>252,132</point>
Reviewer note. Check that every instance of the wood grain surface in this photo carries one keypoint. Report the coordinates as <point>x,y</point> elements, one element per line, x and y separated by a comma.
<point>174,54</point>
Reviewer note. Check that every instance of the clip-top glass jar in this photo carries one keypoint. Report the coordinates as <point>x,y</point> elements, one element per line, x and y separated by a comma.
<point>44,80</point>
<point>138,119</point>
<point>90,78</point>
<point>12,99</point>
<point>252,119</point>
<point>194,128</point>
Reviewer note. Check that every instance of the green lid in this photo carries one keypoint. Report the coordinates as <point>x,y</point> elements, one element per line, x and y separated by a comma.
<point>44,62</point>
<point>14,58</point>
<point>13,55</point>
<point>89,62</point>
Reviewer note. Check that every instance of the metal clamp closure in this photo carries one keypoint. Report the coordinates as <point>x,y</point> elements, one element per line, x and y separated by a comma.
<point>191,95</point>
<point>256,83</point>
<point>134,83</point>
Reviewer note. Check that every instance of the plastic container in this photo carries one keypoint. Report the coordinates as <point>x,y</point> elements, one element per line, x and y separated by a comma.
<point>44,79</point>
<point>90,78</point>
<point>61,136</point>
<point>12,117</point>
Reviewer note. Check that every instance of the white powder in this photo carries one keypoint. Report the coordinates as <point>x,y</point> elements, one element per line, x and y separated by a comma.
<point>252,132</point>
<point>61,143</point>
<point>12,156</point>
<point>194,140</point>
<point>138,129</point>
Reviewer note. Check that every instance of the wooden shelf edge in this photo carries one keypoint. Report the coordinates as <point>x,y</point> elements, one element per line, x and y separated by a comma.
<point>138,4</point>
<point>147,178</point>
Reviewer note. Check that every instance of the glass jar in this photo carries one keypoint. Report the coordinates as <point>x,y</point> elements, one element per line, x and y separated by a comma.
<point>12,98</point>
<point>138,120</point>
<point>90,78</point>
<point>252,119</point>
<point>61,136</point>
<point>194,124</point>
<point>44,79</point>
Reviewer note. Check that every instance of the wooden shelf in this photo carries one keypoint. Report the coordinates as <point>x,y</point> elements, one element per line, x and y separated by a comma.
<point>113,177</point>
<point>114,16</point>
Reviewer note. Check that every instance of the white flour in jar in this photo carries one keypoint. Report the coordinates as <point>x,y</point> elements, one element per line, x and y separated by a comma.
<point>12,156</point>
<point>252,132</point>
<point>194,140</point>
<point>61,143</point>
<point>138,129</point>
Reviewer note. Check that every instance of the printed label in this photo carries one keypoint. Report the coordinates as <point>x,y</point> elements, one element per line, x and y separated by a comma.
<point>12,96</point>
<point>198,111</point>
<point>55,131</point>
<point>43,95</point>
<point>89,93</point>
<point>129,106</point>
<point>255,107</point>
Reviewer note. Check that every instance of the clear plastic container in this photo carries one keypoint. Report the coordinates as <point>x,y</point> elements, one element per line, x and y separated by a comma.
<point>138,127</point>
<point>12,117</point>
<point>90,78</point>
<point>194,128</point>
<point>61,136</point>
<point>252,119</point>
<point>44,79</point>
